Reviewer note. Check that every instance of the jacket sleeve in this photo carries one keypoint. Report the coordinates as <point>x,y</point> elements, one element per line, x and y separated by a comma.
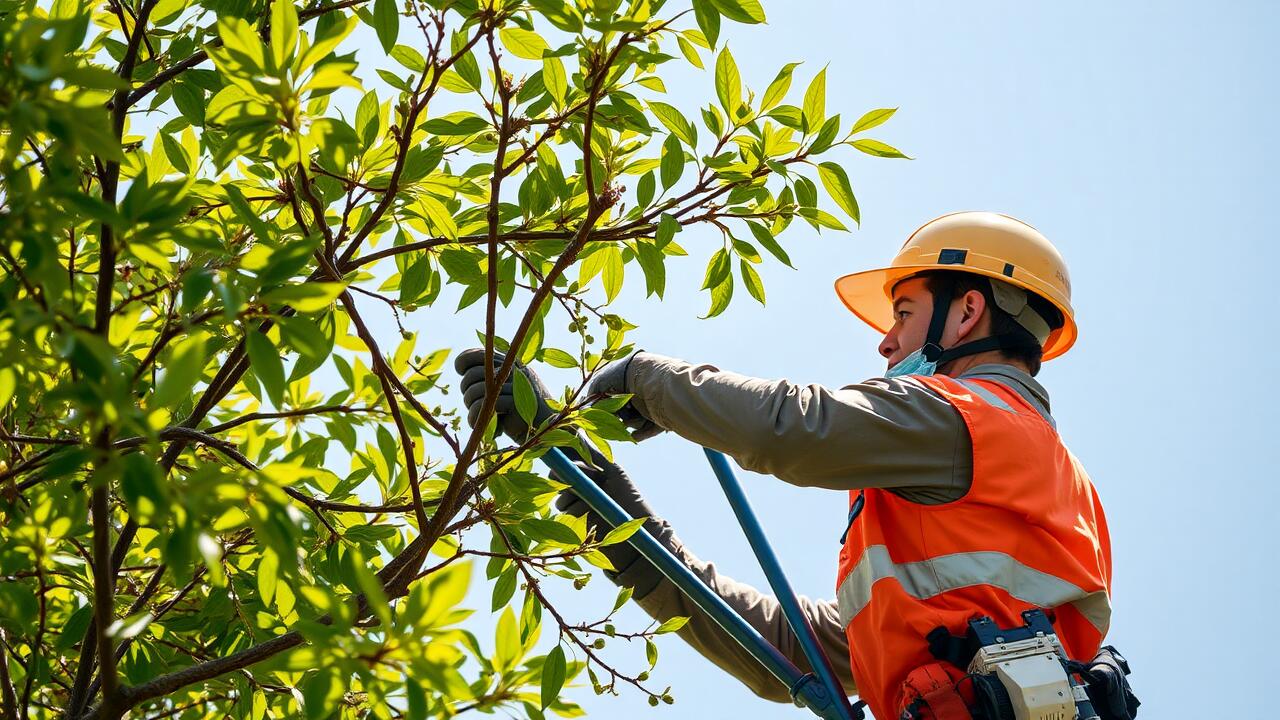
<point>888,433</point>
<point>762,612</point>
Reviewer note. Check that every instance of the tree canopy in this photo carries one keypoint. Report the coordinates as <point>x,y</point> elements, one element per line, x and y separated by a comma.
<point>208,203</point>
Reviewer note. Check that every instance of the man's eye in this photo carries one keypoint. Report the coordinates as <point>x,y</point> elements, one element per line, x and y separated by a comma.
<point>903,314</point>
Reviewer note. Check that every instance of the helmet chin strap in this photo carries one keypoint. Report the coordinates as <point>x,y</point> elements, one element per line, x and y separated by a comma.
<point>933,350</point>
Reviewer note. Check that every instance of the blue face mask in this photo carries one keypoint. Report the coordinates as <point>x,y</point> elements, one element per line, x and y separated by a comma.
<point>913,364</point>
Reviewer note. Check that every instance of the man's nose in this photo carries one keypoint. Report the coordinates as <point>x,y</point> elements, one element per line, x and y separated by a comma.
<point>889,345</point>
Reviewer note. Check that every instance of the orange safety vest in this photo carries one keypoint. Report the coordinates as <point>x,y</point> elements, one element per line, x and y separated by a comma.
<point>1029,533</point>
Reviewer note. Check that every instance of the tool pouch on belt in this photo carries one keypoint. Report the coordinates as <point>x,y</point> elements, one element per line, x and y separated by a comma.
<point>1107,684</point>
<point>931,692</point>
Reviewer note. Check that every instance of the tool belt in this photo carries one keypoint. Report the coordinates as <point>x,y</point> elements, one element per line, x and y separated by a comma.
<point>994,673</point>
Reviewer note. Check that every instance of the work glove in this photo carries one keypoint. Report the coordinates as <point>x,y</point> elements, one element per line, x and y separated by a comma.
<point>612,380</point>
<point>470,365</point>
<point>630,567</point>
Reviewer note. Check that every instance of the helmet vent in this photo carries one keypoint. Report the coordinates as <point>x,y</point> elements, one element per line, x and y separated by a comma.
<point>949,256</point>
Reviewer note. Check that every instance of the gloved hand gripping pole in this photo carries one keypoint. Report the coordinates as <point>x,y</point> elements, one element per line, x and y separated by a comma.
<point>806,692</point>
<point>773,572</point>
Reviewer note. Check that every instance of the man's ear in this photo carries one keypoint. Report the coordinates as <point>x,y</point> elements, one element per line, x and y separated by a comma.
<point>972,307</point>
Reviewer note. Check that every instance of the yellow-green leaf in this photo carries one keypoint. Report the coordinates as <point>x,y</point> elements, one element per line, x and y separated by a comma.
<point>752,280</point>
<point>307,297</point>
<point>284,32</point>
<point>878,149</point>
<point>266,365</point>
<point>554,79</point>
<point>728,83</point>
<point>523,43</point>
<point>743,11</point>
<point>837,184</point>
<point>872,119</point>
<point>815,101</point>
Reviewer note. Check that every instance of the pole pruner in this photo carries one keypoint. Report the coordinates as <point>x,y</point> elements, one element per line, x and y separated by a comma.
<point>819,691</point>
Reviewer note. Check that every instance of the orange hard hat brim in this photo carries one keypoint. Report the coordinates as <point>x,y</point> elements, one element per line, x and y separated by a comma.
<point>869,295</point>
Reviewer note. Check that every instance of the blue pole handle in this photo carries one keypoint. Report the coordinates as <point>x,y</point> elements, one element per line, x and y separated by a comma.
<point>838,702</point>
<point>804,687</point>
<point>679,573</point>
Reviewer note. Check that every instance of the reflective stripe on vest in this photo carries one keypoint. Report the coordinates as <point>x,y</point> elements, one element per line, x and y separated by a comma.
<point>928,578</point>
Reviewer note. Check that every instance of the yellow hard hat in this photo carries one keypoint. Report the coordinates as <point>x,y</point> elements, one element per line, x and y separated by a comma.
<point>983,243</point>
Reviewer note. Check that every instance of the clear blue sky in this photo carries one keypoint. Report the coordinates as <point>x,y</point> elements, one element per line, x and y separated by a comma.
<point>1137,136</point>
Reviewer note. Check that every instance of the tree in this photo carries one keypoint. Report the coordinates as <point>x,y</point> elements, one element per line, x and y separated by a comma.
<point>177,538</point>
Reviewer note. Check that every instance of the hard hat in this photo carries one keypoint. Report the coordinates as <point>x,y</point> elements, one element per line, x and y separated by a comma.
<point>983,243</point>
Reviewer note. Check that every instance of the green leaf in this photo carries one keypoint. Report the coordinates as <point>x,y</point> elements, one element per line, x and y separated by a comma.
<point>837,184</point>
<point>653,264</point>
<point>743,11</point>
<point>624,594</point>
<point>708,17</point>
<point>826,135</point>
<point>408,57</point>
<point>622,532</point>
<point>386,21</point>
<point>552,530</point>
<point>268,573</point>
<point>822,219</point>
<point>878,149</point>
<point>526,401</point>
<point>553,676</point>
<point>728,83</point>
<point>8,385</point>
<point>507,646</point>
<point>672,624</point>
<point>181,372</point>
<point>645,190</point>
<point>556,357</point>
<point>523,43</point>
<point>143,488</point>
<point>266,365</point>
<point>767,241</point>
<point>717,268</point>
<point>675,121</point>
<point>554,79</point>
<point>872,119</point>
<point>721,295</point>
<point>668,226</point>
<point>777,89</point>
<point>245,212</point>
<point>612,273</point>
<point>672,162</point>
<point>503,588</point>
<point>284,32</point>
<point>307,297</point>
<point>815,101</point>
<point>561,14</point>
<point>690,52</point>
<point>752,280</point>
<point>438,216</point>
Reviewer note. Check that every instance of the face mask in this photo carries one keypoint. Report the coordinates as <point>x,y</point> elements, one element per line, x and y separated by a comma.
<point>913,364</point>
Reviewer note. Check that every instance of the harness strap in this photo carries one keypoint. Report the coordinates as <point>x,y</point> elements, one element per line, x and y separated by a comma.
<point>932,692</point>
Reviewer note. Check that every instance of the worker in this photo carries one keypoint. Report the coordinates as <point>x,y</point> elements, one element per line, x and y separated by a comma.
<point>963,500</point>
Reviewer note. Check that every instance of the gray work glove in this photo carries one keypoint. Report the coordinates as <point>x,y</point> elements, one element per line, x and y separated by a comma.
<point>630,567</point>
<point>470,365</point>
<point>612,380</point>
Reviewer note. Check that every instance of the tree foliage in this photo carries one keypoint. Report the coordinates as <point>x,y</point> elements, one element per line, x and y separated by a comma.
<point>208,203</point>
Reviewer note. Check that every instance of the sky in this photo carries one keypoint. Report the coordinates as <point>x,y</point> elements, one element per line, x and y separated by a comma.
<point>1139,138</point>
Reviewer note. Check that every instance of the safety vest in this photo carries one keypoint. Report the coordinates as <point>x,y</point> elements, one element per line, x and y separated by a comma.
<point>1029,533</point>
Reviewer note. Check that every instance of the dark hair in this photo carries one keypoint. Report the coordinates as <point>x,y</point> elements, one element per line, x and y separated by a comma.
<point>1002,323</point>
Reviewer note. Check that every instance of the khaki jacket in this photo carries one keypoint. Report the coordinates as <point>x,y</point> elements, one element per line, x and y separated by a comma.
<point>885,433</point>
